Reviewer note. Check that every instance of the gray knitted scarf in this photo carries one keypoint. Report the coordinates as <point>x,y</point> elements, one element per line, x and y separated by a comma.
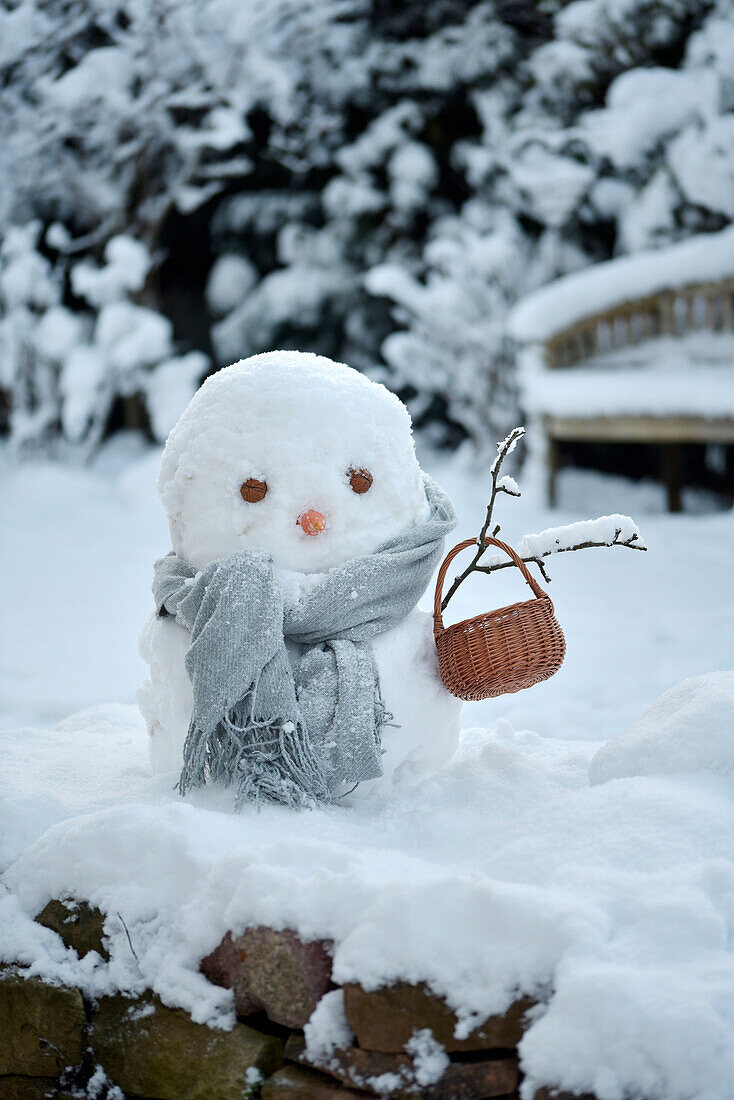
<point>296,733</point>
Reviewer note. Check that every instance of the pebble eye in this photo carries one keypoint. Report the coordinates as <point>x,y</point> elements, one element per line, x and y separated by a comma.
<point>360,480</point>
<point>253,490</point>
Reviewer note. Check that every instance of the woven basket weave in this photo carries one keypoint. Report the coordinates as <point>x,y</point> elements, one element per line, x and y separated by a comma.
<point>501,651</point>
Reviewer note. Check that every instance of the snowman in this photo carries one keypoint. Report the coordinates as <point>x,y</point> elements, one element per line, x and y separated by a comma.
<point>286,655</point>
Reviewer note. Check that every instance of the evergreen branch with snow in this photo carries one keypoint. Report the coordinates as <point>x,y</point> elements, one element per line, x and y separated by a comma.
<point>614,530</point>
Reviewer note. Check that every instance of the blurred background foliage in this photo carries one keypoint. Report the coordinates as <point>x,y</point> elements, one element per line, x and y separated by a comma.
<point>187,182</point>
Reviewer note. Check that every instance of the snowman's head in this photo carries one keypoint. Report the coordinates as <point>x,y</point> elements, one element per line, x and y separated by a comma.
<point>294,455</point>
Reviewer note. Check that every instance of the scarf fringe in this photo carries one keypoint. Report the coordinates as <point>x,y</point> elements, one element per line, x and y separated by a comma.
<point>273,762</point>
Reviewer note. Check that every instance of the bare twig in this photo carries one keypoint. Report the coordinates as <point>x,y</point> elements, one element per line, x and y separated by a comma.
<point>128,935</point>
<point>499,484</point>
<point>508,565</point>
<point>503,449</point>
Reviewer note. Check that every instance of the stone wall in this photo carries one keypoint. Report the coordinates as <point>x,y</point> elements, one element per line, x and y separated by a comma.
<point>53,1041</point>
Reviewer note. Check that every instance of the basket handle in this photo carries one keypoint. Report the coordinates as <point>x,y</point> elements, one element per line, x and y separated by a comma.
<point>438,626</point>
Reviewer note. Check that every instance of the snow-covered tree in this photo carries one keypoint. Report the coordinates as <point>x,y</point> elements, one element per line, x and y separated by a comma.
<point>64,369</point>
<point>378,182</point>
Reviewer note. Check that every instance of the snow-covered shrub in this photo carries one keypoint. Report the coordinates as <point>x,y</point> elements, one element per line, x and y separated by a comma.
<point>63,369</point>
<point>453,349</point>
<point>29,295</point>
<point>373,181</point>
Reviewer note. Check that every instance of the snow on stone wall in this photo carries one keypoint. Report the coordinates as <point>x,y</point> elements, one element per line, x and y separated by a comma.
<point>594,880</point>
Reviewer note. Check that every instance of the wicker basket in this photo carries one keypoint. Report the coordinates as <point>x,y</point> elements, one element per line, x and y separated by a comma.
<point>502,651</point>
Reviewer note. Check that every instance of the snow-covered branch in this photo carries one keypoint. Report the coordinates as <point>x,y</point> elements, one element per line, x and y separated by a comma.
<point>503,484</point>
<point>614,530</point>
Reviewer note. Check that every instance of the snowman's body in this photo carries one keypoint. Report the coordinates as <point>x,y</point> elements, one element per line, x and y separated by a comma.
<point>425,727</point>
<point>299,425</point>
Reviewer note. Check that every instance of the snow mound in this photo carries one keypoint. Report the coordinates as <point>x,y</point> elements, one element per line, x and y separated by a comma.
<point>689,729</point>
<point>506,872</point>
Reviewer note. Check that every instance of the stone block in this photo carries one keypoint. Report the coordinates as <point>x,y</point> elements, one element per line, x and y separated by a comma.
<point>297,1083</point>
<point>474,1080</point>
<point>351,1065</point>
<point>222,965</point>
<point>80,926</point>
<point>41,1026</point>
<point>461,1080</point>
<point>158,1052</point>
<point>385,1019</point>
<point>26,1088</point>
<point>272,972</point>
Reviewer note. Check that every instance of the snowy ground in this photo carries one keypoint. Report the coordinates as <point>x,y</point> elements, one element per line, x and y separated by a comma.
<point>506,872</point>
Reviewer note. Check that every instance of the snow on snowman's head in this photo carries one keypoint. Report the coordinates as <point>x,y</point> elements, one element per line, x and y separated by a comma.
<point>307,434</point>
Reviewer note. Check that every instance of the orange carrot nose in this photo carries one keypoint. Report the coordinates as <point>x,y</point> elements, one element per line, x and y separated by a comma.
<point>312,522</point>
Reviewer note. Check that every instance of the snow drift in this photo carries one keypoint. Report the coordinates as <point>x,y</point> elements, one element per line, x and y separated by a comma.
<point>689,729</point>
<point>613,904</point>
